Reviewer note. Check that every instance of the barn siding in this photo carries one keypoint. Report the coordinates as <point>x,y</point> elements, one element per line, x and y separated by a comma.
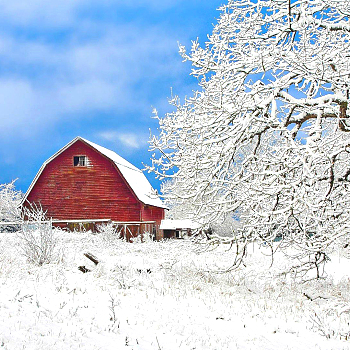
<point>150,213</point>
<point>97,191</point>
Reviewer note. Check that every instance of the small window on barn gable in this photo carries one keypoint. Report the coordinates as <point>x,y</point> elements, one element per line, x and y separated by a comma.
<point>80,161</point>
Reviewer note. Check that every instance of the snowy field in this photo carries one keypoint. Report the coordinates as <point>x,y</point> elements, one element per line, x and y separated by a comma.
<point>164,296</point>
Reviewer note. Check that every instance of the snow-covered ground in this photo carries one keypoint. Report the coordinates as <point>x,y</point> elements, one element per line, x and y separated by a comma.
<point>164,296</point>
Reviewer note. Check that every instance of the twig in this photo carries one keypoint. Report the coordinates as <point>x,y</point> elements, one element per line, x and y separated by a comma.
<point>159,348</point>
<point>312,299</point>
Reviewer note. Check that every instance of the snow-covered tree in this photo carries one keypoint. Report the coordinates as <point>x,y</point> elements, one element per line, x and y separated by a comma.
<point>267,135</point>
<point>10,200</point>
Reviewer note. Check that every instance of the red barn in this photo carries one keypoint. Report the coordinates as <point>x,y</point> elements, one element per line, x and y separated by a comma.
<point>86,184</point>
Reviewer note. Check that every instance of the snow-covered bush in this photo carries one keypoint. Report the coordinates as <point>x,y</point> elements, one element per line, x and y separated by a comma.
<point>147,237</point>
<point>143,238</point>
<point>37,236</point>
<point>108,232</point>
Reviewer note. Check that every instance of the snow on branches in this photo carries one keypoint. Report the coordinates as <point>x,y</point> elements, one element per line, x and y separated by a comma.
<point>10,200</point>
<point>266,136</point>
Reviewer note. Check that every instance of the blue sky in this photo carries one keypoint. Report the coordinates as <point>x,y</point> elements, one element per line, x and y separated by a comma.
<point>94,69</point>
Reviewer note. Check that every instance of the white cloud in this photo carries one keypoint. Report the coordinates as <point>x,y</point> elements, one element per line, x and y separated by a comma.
<point>47,13</point>
<point>115,68</point>
<point>65,13</point>
<point>128,140</point>
<point>48,82</point>
<point>17,100</point>
<point>90,95</point>
<point>109,135</point>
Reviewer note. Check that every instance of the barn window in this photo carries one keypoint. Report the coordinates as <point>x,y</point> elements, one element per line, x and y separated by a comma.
<point>80,160</point>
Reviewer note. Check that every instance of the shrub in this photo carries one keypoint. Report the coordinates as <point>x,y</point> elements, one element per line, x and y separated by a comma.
<point>37,241</point>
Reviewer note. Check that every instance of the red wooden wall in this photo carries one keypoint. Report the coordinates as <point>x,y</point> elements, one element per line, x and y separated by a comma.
<point>150,213</point>
<point>97,191</point>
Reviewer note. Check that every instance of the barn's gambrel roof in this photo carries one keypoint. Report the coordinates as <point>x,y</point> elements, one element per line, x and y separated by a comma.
<point>133,176</point>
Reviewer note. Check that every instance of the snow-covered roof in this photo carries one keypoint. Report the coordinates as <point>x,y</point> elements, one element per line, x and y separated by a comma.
<point>134,176</point>
<point>170,224</point>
